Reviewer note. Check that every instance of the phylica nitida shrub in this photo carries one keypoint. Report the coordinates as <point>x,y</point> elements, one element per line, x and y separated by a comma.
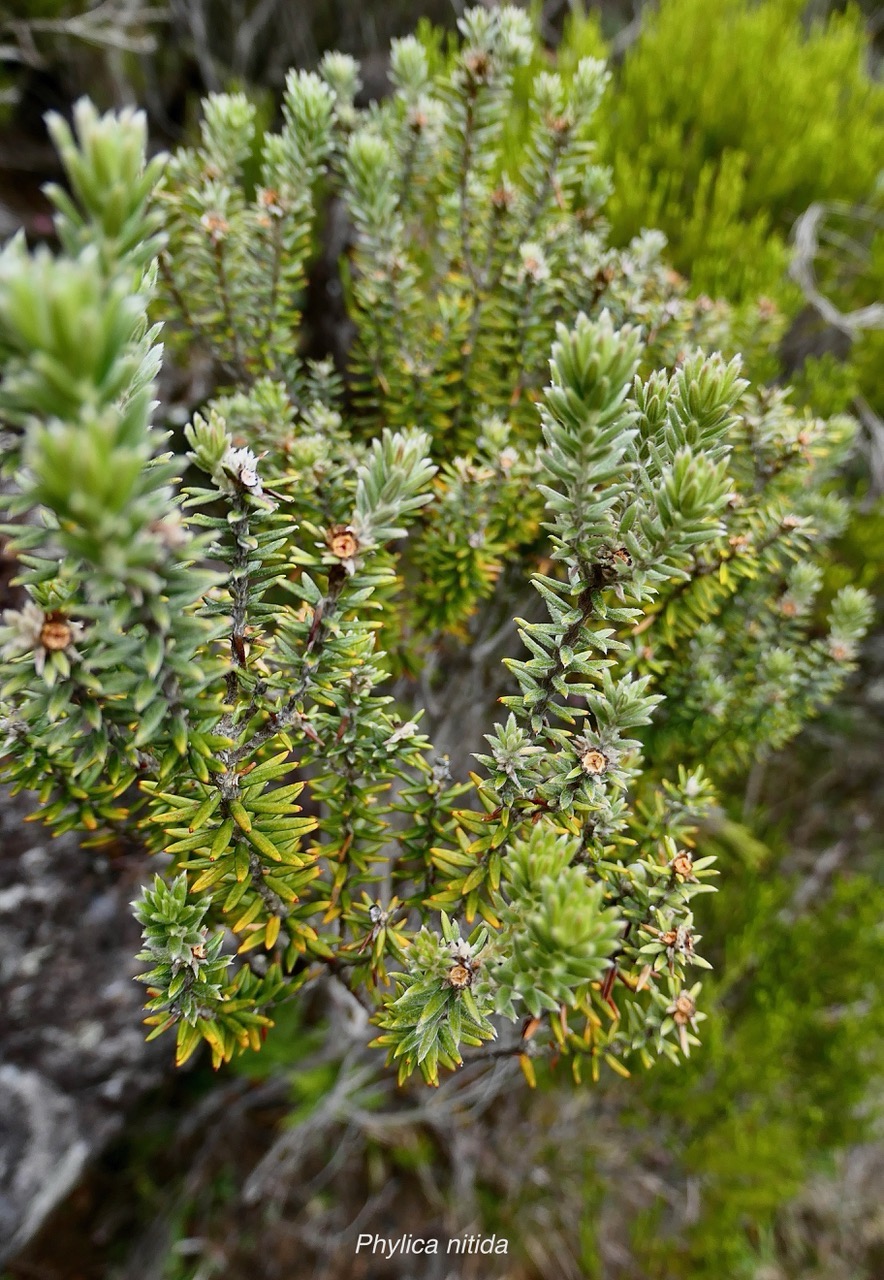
<point>205,660</point>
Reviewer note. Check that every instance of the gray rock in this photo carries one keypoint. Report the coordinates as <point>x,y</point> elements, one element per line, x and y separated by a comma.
<point>73,1059</point>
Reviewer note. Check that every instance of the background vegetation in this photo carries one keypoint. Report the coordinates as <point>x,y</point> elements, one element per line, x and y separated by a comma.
<point>761,1157</point>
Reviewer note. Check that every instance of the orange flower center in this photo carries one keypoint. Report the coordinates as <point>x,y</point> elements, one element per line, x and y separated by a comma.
<point>343,543</point>
<point>55,635</point>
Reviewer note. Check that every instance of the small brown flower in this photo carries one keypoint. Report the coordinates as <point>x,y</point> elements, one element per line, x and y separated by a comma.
<point>32,630</point>
<point>459,976</point>
<point>502,198</point>
<point>216,226</point>
<point>683,864</point>
<point>271,201</point>
<point>478,64</point>
<point>788,608</point>
<point>342,541</point>
<point>678,941</point>
<point>56,633</point>
<point>790,522</point>
<point>594,762</point>
<point>534,264</point>
<point>840,652</point>
<point>684,1009</point>
<point>739,542</point>
<point>558,124</point>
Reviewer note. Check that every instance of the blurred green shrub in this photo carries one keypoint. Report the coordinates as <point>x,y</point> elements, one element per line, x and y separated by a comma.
<point>726,125</point>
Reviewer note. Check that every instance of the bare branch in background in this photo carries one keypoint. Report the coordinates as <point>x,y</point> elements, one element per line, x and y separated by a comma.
<point>109,25</point>
<point>806,236</point>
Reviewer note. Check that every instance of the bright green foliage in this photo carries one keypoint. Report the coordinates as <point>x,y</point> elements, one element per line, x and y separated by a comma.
<point>110,558</point>
<point>188,981</point>
<point>505,245</point>
<point>791,1045</point>
<point>436,1009</point>
<point>723,131</point>
<point>558,934</point>
<point>484,510</point>
<point>246,256</point>
<point>745,674</point>
<point>260,721</point>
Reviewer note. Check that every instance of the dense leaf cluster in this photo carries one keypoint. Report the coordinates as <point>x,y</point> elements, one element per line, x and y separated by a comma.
<point>221,664</point>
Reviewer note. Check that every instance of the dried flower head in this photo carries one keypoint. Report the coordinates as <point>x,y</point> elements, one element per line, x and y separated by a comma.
<point>56,633</point>
<point>463,964</point>
<point>683,864</point>
<point>271,202</point>
<point>342,542</point>
<point>459,976</point>
<point>417,120</point>
<point>594,762</point>
<point>684,1009</point>
<point>478,64</point>
<point>216,226</point>
<point>31,630</point>
<point>534,264</point>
